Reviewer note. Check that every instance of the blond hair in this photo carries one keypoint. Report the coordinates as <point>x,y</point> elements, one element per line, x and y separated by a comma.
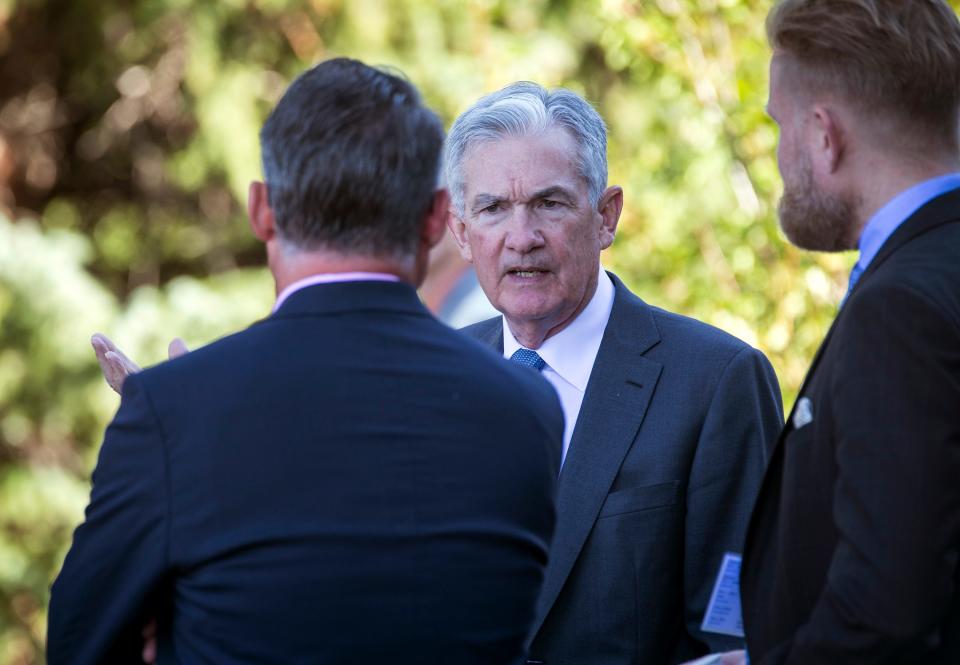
<point>899,58</point>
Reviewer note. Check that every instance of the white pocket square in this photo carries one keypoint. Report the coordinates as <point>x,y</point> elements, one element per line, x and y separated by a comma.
<point>803,414</point>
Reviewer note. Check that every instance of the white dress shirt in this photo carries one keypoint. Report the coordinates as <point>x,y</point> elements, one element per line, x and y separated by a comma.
<point>569,355</point>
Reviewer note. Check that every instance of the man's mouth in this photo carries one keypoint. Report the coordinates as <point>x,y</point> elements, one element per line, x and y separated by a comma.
<point>526,273</point>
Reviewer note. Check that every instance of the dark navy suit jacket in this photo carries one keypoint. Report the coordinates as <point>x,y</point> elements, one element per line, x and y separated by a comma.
<point>347,481</point>
<point>662,471</point>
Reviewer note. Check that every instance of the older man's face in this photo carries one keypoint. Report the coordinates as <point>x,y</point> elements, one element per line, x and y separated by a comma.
<point>530,229</point>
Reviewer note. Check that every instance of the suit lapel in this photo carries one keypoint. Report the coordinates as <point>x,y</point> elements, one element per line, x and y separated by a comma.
<point>351,296</point>
<point>490,333</point>
<point>941,210</point>
<point>788,425</point>
<point>614,404</point>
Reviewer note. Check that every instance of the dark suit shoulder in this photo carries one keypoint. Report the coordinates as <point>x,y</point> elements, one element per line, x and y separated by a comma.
<point>420,343</point>
<point>224,355</point>
<point>670,337</point>
<point>927,266</point>
<point>697,340</point>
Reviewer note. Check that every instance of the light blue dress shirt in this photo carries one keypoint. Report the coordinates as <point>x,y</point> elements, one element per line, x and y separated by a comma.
<point>894,213</point>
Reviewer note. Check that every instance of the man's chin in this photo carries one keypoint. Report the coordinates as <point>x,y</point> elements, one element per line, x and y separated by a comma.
<point>819,226</point>
<point>816,240</point>
<point>521,308</point>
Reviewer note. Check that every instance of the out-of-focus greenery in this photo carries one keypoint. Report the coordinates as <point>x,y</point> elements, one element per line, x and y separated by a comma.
<point>128,136</point>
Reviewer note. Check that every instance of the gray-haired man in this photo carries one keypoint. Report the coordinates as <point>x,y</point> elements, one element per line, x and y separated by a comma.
<point>668,419</point>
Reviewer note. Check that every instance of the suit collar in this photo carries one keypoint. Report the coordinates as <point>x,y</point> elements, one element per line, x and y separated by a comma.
<point>938,211</point>
<point>899,209</point>
<point>489,333</point>
<point>332,278</point>
<point>631,326</point>
<point>350,297</point>
<point>618,393</point>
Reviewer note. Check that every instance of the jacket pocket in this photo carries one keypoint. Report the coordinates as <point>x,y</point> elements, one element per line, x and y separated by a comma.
<point>645,497</point>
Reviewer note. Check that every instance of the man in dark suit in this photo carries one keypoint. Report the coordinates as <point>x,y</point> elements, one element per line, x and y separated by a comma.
<point>667,418</point>
<point>347,481</point>
<point>852,551</point>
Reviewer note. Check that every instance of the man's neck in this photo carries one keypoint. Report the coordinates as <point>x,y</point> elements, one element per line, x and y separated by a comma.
<point>887,180</point>
<point>290,266</point>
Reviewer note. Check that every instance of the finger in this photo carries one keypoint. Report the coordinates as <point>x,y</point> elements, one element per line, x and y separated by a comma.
<point>121,363</point>
<point>177,348</point>
<point>104,347</point>
<point>116,369</point>
<point>149,632</point>
<point>106,360</point>
<point>149,653</point>
<point>132,366</point>
<point>99,340</point>
<point>100,351</point>
<point>100,347</point>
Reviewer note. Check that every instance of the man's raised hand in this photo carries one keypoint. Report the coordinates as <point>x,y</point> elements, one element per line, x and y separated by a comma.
<point>115,365</point>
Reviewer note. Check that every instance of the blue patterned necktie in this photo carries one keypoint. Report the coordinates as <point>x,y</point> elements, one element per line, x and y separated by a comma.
<point>529,358</point>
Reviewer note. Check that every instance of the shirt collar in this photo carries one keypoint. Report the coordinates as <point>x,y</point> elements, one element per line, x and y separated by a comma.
<point>330,278</point>
<point>572,351</point>
<point>898,210</point>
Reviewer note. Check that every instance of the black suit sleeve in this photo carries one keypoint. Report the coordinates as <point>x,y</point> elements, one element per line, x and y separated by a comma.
<point>744,418</point>
<point>100,600</point>
<point>896,503</point>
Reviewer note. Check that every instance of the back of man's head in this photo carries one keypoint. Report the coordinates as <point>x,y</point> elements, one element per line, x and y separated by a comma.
<point>894,61</point>
<point>351,159</point>
<point>523,109</point>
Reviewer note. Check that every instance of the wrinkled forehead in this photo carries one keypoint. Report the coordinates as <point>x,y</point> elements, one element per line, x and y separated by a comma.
<point>546,158</point>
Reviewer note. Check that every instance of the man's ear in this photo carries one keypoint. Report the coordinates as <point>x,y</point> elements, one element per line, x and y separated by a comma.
<point>609,208</point>
<point>260,213</point>
<point>827,138</point>
<point>459,230</point>
<point>434,225</point>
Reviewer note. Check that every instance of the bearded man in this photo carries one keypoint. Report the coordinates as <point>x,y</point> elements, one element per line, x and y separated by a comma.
<point>853,548</point>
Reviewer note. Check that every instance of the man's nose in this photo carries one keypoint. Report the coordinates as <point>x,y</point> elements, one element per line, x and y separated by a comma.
<point>523,232</point>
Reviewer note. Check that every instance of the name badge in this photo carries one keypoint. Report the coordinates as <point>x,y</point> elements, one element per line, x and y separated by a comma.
<point>723,614</point>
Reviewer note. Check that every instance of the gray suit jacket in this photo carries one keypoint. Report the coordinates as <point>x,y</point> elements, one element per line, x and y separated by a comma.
<point>662,471</point>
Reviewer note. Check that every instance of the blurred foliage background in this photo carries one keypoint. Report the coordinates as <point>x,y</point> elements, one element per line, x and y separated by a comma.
<point>128,135</point>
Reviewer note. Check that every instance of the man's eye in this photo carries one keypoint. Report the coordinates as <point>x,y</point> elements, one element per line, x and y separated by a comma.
<point>492,208</point>
<point>549,204</point>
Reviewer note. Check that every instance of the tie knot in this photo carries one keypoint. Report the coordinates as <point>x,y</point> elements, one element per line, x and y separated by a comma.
<point>528,358</point>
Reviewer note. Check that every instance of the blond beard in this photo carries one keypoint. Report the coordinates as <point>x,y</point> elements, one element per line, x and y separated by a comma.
<point>812,219</point>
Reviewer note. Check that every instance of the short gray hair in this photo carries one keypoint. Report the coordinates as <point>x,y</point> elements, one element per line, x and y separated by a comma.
<point>523,109</point>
